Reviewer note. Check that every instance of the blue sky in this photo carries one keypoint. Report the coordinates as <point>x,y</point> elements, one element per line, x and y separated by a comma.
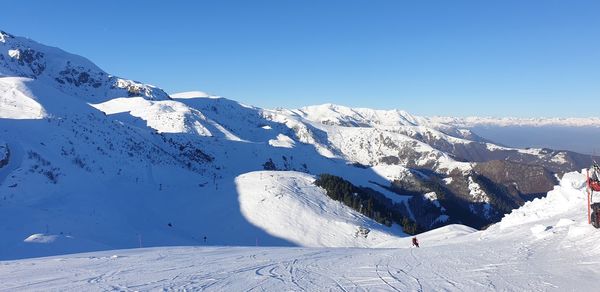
<point>458,58</point>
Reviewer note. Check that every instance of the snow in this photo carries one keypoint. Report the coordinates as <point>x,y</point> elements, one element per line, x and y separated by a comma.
<point>41,238</point>
<point>432,196</point>
<point>16,54</point>
<point>476,192</point>
<point>17,102</point>
<point>545,245</point>
<point>190,94</point>
<point>345,116</point>
<point>391,172</point>
<point>288,205</point>
<point>559,158</point>
<point>163,116</point>
<point>282,141</point>
<point>569,195</point>
<point>442,218</point>
<point>462,264</point>
<point>564,222</point>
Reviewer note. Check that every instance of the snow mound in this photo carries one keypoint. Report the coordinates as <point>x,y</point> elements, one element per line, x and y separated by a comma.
<point>577,231</point>
<point>41,238</point>
<point>282,141</point>
<point>290,206</point>
<point>564,222</point>
<point>541,231</point>
<point>566,200</point>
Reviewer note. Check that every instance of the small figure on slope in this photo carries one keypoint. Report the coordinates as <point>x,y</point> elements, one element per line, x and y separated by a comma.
<point>415,242</point>
<point>593,188</point>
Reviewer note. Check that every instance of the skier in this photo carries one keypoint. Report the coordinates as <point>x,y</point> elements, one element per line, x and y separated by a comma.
<point>594,178</point>
<point>595,172</point>
<point>593,185</point>
<point>415,242</point>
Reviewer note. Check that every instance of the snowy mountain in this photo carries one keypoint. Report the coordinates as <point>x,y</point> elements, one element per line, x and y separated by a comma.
<point>72,74</point>
<point>546,245</point>
<point>90,161</point>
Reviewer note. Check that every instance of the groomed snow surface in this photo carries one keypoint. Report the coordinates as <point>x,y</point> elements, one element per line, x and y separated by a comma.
<point>545,245</point>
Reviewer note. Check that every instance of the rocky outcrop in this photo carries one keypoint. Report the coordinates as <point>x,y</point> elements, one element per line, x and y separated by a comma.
<point>4,155</point>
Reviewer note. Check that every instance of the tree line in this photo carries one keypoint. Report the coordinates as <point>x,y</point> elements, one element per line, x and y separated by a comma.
<point>366,201</point>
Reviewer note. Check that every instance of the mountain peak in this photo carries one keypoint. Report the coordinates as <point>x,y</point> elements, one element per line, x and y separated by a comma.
<point>72,74</point>
<point>334,114</point>
<point>4,36</point>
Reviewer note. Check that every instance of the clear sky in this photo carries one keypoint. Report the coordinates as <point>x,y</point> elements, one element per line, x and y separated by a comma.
<point>456,58</point>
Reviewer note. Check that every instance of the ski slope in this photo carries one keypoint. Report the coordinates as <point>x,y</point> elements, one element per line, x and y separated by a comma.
<point>288,205</point>
<point>513,255</point>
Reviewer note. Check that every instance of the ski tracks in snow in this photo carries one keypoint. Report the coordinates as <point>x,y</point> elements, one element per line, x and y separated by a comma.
<point>509,266</point>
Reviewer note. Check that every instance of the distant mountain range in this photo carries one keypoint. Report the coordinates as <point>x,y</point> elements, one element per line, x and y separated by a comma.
<point>469,122</point>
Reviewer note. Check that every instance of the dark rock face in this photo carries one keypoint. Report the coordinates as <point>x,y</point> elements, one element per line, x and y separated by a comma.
<point>453,200</point>
<point>33,60</point>
<point>522,180</point>
<point>80,76</point>
<point>390,160</point>
<point>30,63</point>
<point>4,155</point>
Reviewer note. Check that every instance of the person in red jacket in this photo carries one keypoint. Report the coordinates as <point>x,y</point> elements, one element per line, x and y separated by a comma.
<point>594,178</point>
<point>415,241</point>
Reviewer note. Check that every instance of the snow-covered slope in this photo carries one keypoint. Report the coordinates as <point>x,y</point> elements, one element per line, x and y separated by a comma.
<point>164,116</point>
<point>545,245</point>
<point>17,102</point>
<point>564,207</point>
<point>290,206</point>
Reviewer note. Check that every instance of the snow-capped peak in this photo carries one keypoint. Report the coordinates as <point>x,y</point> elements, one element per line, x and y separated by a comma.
<point>333,114</point>
<point>4,36</point>
<point>72,74</point>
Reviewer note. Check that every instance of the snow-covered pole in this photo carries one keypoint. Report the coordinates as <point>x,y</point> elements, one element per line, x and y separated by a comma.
<point>587,187</point>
